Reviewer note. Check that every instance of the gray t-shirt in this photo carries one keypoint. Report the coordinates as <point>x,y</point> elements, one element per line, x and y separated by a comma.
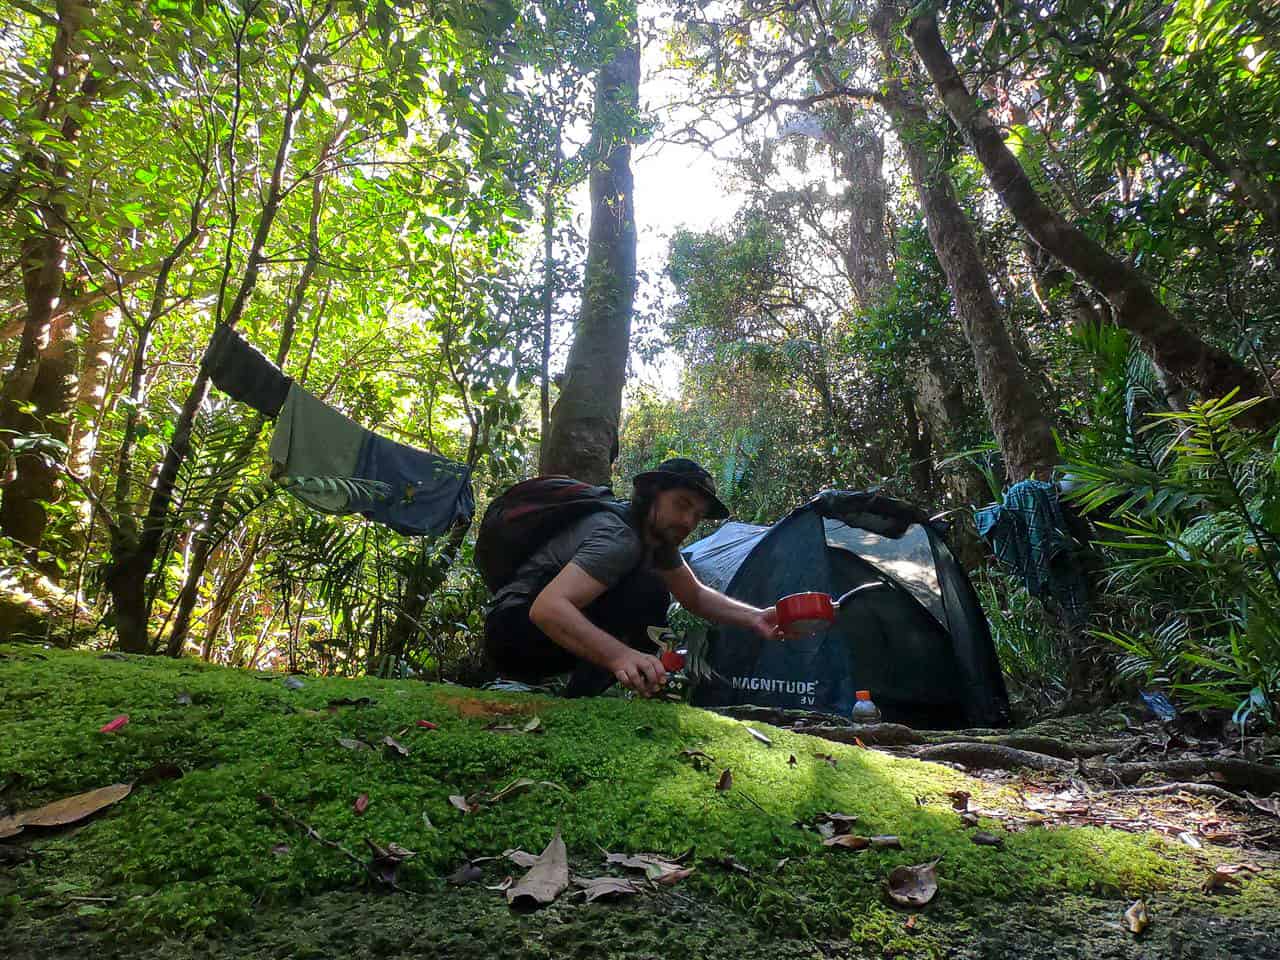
<point>601,543</point>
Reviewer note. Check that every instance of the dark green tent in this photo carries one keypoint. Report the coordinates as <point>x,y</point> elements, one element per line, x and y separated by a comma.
<point>921,646</point>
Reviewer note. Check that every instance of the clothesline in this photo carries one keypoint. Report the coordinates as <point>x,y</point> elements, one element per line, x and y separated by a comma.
<point>428,493</point>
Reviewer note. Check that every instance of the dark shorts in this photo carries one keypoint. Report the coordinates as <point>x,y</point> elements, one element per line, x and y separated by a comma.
<point>518,650</point>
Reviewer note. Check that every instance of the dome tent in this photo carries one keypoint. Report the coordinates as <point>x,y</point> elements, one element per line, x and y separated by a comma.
<point>921,646</point>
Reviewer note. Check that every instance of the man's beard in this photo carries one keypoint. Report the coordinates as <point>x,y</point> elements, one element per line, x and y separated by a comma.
<point>667,535</point>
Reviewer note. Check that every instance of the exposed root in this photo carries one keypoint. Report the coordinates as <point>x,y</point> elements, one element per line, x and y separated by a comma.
<point>993,756</point>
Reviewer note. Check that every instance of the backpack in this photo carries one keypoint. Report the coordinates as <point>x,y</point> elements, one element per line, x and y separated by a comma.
<point>527,515</point>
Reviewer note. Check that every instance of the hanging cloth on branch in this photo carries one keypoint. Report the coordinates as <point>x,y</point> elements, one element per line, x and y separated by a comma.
<point>243,373</point>
<point>1029,532</point>
<point>411,491</point>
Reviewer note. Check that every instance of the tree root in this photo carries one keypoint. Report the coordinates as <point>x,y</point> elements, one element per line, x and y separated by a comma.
<point>993,756</point>
<point>1047,746</point>
<point>871,734</point>
<point>1237,773</point>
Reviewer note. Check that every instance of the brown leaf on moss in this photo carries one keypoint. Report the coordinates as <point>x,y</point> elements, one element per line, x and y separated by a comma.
<point>65,811</point>
<point>1226,876</point>
<point>960,799</point>
<point>465,804</point>
<point>598,887</point>
<point>394,748</point>
<point>361,804</point>
<point>791,760</point>
<point>847,840</point>
<point>726,780</point>
<point>546,879</point>
<point>384,865</point>
<point>1136,917</point>
<point>828,758</point>
<point>913,886</point>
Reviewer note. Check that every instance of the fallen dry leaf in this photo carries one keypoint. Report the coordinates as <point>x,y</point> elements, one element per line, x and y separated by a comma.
<point>969,819</point>
<point>465,804</point>
<point>384,865</point>
<point>841,822</point>
<point>1191,840</point>
<point>670,877</point>
<point>520,858</point>
<point>911,921</point>
<point>504,885</point>
<point>597,887</point>
<point>726,780</point>
<point>1136,917</point>
<point>467,873</point>
<point>64,811</point>
<point>987,839</point>
<point>361,804</point>
<point>656,868</point>
<point>351,744</point>
<point>545,880</point>
<point>280,850</point>
<point>515,786</point>
<point>848,840</point>
<point>394,747</point>
<point>731,863</point>
<point>111,726</point>
<point>827,757</point>
<point>427,725</point>
<point>913,886</point>
<point>533,726</point>
<point>858,742</point>
<point>777,867</point>
<point>760,736</point>
<point>1227,875</point>
<point>791,760</point>
<point>959,799</point>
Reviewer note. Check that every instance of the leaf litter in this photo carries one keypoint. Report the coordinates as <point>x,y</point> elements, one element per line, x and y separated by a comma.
<point>546,879</point>
<point>913,886</point>
<point>65,811</point>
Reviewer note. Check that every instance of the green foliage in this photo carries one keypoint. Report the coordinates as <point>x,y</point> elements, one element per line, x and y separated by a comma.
<point>1192,539</point>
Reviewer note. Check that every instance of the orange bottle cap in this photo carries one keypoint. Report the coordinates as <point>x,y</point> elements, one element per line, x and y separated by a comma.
<point>863,694</point>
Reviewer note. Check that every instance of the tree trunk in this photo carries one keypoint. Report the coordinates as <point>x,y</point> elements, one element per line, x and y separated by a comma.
<point>226,595</point>
<point>583,440</point>
<point>42,257</point>
<point>1176,348</point>
<point>91,389</point>
<point>940,400</point>
<point>1020,426</point>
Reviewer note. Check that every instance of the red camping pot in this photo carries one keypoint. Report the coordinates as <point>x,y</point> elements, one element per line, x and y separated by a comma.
<point>802,614</point>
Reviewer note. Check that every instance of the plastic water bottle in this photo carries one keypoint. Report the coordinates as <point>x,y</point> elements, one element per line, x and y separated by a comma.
<point>864,711</point>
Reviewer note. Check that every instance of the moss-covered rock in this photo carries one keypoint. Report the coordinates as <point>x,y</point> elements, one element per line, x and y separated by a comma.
<point>202,856</point>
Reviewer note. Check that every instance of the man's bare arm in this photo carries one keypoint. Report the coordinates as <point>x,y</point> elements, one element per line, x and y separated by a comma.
<point>557,612</point>
<point>700,600</point>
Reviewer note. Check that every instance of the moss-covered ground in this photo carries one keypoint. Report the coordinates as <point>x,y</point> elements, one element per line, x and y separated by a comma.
<point>198,865</point>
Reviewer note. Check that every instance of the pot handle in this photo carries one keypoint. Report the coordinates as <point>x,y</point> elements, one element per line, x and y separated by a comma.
<point>858,589</point>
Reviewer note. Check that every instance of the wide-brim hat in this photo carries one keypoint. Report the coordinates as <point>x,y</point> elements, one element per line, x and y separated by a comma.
<point>686,473</point>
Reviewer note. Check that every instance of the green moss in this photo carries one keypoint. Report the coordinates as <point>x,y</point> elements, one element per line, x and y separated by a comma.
<point>196,854</point>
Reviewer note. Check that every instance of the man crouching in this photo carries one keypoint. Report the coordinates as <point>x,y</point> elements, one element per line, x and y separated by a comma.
<point>582,602</point>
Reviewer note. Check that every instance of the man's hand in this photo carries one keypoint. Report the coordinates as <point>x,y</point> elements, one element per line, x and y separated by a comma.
<point>640,672</point>
<point>766,624</point>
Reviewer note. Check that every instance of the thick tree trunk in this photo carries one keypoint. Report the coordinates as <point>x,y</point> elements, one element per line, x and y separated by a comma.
<point>1020,426</point>
<point>43,261</point>
<point>1137,308</point>
<point>583,440</point>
